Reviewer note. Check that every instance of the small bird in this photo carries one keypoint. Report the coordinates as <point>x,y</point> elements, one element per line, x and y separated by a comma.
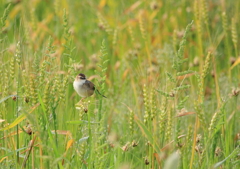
<point>84,87</point>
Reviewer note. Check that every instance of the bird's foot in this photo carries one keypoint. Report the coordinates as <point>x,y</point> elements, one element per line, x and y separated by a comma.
<point>81,101</point>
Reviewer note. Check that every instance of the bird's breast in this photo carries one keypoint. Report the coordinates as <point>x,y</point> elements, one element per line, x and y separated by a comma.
<point>82,88</point>
<point>77,85</point>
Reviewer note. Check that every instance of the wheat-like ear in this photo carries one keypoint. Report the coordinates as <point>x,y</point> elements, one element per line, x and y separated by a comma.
<point>215,119</point>
<point>115,36</point>
<point>142,25</point>
<point>131,122</point>
<point>206,66</point>
<point>12,68</point>
<point>46,97</point>
<point>162,116</point>
<point>169,124</point>
<point>5,15</point>
<point>234,36</point>
<point>33,90</point>
<point>224,23</point>
<point>196,9</point>
<point>33,19</point>
<point>130,31</point>
<point>179,60</point>
<point>204,11</point>
<point>103,24</point>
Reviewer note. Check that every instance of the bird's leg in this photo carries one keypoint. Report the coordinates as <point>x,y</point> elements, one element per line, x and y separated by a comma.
<point>81,101</point>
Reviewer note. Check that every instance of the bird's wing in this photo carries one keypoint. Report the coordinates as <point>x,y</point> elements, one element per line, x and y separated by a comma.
<point>89,84</point>
<point>92,86</point>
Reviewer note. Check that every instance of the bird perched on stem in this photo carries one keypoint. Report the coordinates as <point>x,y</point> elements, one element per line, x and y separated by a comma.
<point>84,87</point>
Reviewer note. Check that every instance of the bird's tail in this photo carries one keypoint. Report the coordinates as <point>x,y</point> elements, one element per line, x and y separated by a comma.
<point>101,94</point>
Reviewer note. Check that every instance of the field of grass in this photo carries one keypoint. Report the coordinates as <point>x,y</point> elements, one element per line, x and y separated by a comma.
<point>170,71</point>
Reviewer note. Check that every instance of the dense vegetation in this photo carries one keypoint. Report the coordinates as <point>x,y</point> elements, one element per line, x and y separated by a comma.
<point>170,71</point>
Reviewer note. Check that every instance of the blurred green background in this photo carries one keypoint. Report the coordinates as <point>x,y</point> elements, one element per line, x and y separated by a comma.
<point>169,69</point>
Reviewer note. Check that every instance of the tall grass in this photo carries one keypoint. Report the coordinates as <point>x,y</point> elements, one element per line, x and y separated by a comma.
<point>169,69</point>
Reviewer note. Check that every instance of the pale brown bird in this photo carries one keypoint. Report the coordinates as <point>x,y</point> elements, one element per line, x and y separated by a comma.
<point>84,87</point>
